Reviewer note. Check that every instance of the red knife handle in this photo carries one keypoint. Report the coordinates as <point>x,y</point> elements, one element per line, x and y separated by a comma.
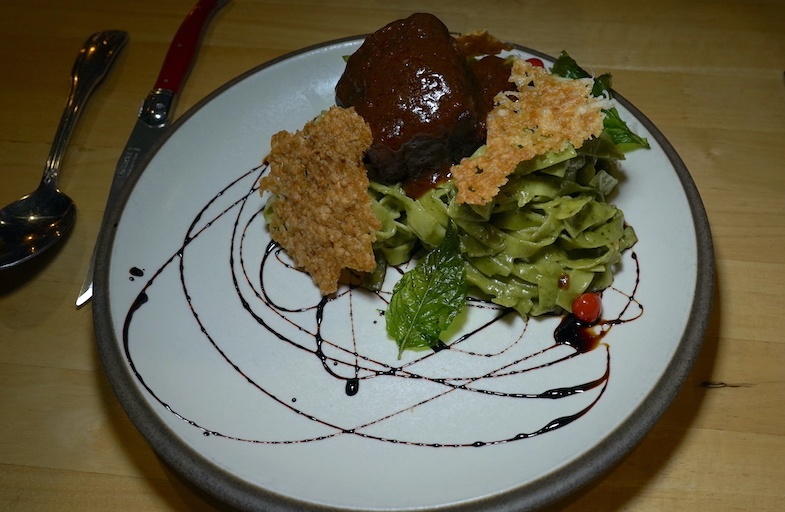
<point>180,56</point>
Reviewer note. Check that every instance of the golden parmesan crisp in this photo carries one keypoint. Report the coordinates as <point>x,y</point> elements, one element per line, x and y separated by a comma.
<point>545,114</point>
<point>322,210</point>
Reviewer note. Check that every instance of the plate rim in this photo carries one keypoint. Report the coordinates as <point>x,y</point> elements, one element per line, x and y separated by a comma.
<point>545,490</point>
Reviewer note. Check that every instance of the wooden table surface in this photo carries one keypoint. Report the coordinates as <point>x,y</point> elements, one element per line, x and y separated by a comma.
<point>708,73</point>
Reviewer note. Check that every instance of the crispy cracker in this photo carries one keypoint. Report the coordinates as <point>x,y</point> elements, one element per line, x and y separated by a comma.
<point>545,114</point>
<point>323,217</point>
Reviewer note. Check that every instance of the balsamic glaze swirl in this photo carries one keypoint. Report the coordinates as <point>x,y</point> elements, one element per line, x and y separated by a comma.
<point>315,328</point>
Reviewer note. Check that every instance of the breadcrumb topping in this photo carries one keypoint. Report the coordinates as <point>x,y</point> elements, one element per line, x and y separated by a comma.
<point>545,114</point>
<point>322,209</point>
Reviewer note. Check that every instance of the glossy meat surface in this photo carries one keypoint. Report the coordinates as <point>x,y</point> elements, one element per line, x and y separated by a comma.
<point>424,100</point>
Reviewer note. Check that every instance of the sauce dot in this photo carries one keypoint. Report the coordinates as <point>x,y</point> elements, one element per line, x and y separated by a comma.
<point>352,386</point>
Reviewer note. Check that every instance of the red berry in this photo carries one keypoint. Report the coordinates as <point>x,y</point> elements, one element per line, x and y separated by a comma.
<point>587,308</point>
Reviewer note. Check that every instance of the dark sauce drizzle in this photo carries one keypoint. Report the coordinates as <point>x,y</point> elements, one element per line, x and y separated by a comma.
<point>582,338</point>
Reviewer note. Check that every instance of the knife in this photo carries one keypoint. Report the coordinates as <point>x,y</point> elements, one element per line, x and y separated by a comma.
<point>155,113</point>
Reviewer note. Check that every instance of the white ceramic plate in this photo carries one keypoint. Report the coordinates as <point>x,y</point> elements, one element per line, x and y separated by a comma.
<point>227,362</point>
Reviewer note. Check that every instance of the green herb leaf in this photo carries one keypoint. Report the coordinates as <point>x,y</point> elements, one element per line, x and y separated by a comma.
<point>621,135</point>
<point>566,67</point>
<point>427,298</point>
<point>624,138</point>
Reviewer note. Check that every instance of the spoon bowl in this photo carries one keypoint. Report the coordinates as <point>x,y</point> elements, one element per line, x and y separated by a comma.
<point>35,222</point>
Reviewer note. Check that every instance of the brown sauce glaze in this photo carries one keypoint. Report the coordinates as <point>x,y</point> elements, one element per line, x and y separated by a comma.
<point>424,100</point>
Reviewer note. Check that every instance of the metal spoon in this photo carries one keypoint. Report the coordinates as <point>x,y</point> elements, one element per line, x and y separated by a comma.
<point>38,220</point>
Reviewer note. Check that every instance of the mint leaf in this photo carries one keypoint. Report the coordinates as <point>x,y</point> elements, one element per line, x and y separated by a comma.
<point>427,298</point>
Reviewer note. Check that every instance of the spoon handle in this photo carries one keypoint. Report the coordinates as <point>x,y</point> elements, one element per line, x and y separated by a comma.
<point>91,66</point>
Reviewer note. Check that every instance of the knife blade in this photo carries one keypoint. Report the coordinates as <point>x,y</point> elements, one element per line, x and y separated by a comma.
<point>155,114</point>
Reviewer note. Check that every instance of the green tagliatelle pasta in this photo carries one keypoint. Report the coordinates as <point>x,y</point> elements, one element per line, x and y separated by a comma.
<point>548,236</point>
